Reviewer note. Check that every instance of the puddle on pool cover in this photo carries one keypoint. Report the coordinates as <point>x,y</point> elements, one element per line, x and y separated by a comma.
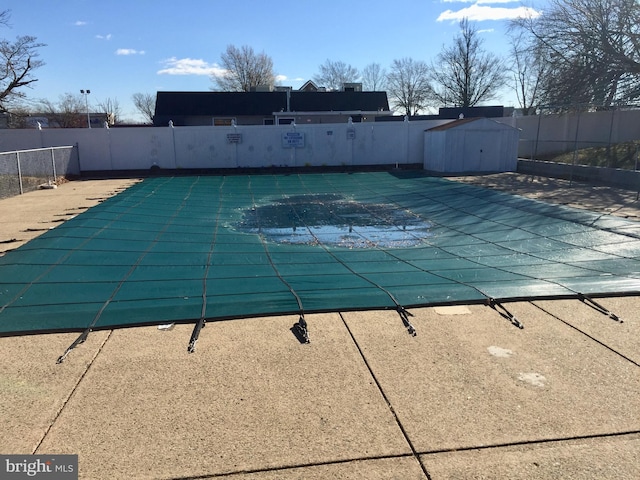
<point>333,220</point>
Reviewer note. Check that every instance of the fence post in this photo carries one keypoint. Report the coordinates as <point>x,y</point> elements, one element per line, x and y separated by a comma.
<point>637,177</point>
<point>77,145</point>
<point>575,150</point>
<point>173,141</point>
<point>613,113</point>
<point>19,172</point>
<point>535,147</point>
<point>53,164</point>
<point>406,139</point>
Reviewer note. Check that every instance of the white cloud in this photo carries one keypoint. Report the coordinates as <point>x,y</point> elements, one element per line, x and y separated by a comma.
<point>284,78</point>
<point>80,23</point>
<point>487,30</point>
<point>104,37</point>
<point>479,13</point>
<point>478,2</point>
<point>190,66</point>
<point>129,51</point>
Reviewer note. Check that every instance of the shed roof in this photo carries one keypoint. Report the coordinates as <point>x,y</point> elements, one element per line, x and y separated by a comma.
<point>464,121</point>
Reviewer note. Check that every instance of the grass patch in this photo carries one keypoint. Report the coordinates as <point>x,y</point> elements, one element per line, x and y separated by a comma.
<point>619,155</point>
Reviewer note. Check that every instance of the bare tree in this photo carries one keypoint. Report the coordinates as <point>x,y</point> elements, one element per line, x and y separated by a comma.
<point>592,48</point>
<point>408,85</point>
<point>18,60</point>
<point>374,78</point>
<point>529,68</point>
<point>111,108</point>
<point>21,116</point>
<point>333,75</point>
<point>464,74</point>
<point>145,103</point>
<point>244,69</point>
<point>68,112</point>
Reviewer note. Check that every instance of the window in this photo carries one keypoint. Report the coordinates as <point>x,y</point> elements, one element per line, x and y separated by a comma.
<point>223,122</point>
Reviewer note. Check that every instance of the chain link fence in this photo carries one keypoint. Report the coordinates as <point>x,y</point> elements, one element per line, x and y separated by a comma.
<point>623,155</point>
<point>27,170</point>
<point>600,137</point>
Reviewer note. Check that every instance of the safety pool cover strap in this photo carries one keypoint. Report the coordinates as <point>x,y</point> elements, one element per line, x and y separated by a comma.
<point>180,249</point>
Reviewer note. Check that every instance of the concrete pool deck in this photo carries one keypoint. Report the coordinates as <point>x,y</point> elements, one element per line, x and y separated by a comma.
<point>470,396</point>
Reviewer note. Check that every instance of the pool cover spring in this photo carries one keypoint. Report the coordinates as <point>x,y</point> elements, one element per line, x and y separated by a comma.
<point>182,249</point>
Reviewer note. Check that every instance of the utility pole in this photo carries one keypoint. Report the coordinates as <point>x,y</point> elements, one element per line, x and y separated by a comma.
<point>86,102</point>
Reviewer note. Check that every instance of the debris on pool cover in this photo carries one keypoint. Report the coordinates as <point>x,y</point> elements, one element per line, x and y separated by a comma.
<point>331,219</point>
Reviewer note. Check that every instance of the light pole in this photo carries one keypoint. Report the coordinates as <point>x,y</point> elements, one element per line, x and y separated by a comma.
<point>86,102</point>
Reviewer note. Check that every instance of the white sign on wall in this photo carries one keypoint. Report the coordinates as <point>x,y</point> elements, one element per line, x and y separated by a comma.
<point>234,138</point>
<point>293,140</point>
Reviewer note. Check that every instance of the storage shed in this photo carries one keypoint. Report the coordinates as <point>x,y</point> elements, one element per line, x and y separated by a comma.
<point>471,145</point>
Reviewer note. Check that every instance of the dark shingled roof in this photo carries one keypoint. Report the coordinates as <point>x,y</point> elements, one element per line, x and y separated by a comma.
<point>265,103</point>
<point>490,111</point>
<point>219,103</point>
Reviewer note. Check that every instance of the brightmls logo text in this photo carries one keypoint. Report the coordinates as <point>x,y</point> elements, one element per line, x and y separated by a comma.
<point>50,467</point>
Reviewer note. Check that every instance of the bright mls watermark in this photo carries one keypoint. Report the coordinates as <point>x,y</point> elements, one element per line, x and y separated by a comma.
<point>51,467</point>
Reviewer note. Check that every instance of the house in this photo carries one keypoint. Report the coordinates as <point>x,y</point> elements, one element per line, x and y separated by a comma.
<point>56,120</point>
<point>496,111</point>
<point>310,86</point>
<point>282,106</point>
<point>491,111</point>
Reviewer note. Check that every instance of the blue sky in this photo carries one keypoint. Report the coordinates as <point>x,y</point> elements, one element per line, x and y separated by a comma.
<point>117,48</point>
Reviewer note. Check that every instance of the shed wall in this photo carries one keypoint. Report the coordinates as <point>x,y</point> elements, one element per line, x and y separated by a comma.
<point>481,146</point>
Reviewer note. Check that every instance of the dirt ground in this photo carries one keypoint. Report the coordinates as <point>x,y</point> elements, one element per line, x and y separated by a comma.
<point>596,198</point>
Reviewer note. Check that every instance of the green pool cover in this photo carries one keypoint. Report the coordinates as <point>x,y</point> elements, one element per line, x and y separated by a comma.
<point>186,248</point>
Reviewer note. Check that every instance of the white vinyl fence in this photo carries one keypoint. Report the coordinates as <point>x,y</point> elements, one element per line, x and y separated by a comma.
<point>341,144</point>
<point>209,147</point>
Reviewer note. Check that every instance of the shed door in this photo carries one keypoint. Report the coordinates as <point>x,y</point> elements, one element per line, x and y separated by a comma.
<point>481,151</point>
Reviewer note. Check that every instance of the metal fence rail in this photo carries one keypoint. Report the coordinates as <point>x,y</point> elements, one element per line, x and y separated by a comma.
<point>25,170</point>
